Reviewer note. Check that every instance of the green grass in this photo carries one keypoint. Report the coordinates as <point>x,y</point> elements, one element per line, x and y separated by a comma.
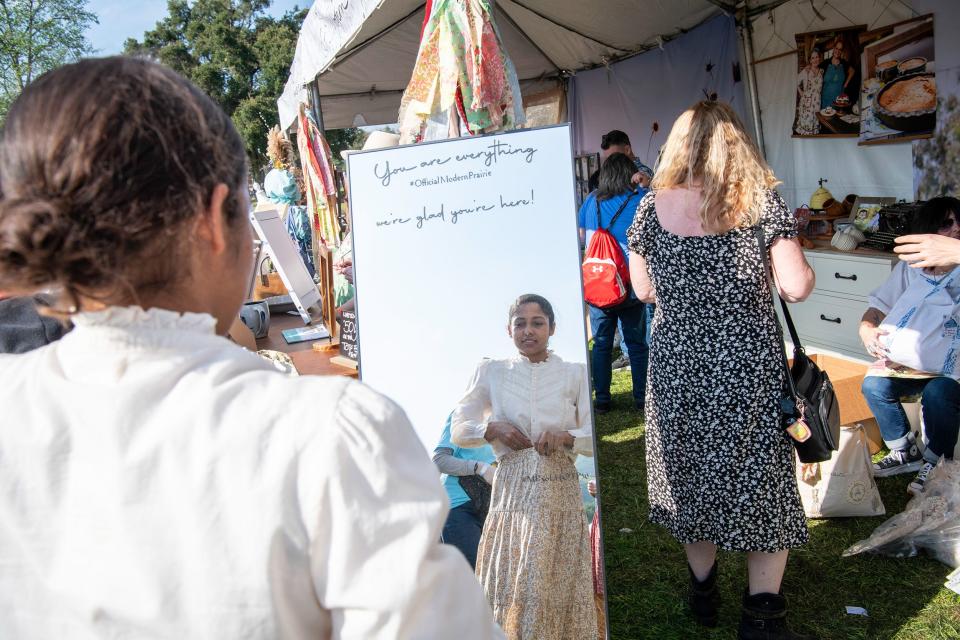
<point>647,577</point>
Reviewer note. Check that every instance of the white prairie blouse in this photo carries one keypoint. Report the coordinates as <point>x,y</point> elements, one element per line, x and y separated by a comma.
<point>157,481</point>
<point>552,395</point>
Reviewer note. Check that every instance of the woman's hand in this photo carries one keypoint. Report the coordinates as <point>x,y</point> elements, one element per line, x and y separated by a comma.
<point>871,336</point>
<point>550,441</point>
<point>508,434</point>
<point>486,472</point>
<point>928,250</point>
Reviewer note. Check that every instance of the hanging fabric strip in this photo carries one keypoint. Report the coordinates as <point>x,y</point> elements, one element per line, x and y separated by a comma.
<point>461,64</point>
<point>318,178</point>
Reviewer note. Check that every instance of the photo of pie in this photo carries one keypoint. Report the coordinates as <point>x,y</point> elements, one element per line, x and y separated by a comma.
<point>917,93</point>
<point>898,97</point>
<point>908,104</point>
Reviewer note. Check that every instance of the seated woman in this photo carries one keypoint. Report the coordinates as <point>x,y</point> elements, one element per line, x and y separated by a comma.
<point>462,466</point>
<point>887,382</point>
<point>533,408</point>
<point>157,480</point>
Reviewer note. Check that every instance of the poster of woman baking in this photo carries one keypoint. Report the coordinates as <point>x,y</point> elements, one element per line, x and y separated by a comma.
<point>828,83</point>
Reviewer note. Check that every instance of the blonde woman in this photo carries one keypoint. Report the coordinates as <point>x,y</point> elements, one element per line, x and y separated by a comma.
<point>720,468</point>
<point>809,85</point>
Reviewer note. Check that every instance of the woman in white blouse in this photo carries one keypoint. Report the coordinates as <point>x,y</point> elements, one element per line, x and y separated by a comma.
<point>534,409</point>
<point>157,481</point>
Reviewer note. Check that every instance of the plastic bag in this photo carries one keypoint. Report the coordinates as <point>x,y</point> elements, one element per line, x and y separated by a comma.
<point>842,486</point>
<point>930,522</point>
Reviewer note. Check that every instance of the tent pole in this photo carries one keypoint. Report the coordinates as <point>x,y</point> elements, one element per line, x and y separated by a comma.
<point>315,105</point>
<point>746,39</point>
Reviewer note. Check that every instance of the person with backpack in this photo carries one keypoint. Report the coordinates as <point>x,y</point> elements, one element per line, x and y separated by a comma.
<point>612,142</point>
<point>611,208</point>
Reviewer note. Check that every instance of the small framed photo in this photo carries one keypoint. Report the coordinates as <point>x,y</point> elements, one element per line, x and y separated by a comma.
<point>866,212</point>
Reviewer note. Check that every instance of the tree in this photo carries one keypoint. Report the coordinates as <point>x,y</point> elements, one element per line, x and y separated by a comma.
<point>340,139</point>
<point>235,52</point>
<point>37,36</point>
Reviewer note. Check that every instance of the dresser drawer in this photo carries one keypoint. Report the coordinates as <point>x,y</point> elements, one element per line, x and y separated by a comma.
<point>849,277</point>
<point>830,320</point>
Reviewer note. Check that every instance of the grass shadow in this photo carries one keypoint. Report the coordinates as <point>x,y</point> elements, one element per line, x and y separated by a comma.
<point>646,569</point>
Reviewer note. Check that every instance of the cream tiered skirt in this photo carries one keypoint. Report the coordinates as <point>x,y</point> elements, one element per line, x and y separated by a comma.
<point>534,554</point>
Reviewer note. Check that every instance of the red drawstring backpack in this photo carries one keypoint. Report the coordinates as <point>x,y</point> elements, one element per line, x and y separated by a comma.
<point>606,277</point>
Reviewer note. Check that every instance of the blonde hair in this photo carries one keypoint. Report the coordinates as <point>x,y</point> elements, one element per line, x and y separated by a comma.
<point>279,148</point>
<point>709,149</point>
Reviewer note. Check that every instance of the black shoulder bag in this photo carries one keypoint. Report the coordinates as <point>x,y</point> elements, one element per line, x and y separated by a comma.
<point>809,396</point>
<point>479,493</point>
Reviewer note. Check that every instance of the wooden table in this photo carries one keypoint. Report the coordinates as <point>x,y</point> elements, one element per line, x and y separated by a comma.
<point>307,361</point>
<point>833,125</point>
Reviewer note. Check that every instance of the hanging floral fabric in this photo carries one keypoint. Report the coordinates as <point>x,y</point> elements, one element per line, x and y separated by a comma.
<point>462,73</point>
<point>319,183</point>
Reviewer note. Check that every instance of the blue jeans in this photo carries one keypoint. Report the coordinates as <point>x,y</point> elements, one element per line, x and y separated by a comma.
<point>462,529</point>
<point>633,322</point>
<point>939,402</point>
<point>623,345</point>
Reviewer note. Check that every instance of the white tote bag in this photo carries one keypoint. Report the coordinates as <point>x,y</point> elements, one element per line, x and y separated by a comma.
<point>842,486</point>
<point>922,328</point>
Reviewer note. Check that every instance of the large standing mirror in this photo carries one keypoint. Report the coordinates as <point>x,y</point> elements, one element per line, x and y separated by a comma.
<point>471,317</point>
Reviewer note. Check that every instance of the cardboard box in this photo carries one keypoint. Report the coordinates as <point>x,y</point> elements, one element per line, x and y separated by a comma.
<point>874,439</point>
<point>846,376</point>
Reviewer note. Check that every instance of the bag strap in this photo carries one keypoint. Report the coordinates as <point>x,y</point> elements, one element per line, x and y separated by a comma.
<point>797,347</point>
<point>616,215</point>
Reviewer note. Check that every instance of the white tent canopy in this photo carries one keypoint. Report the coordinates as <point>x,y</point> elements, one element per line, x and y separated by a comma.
<point>362,53</point>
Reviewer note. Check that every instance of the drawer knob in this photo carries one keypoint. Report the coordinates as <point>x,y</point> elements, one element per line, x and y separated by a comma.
<point>838,276</point>
<point>826,319</point>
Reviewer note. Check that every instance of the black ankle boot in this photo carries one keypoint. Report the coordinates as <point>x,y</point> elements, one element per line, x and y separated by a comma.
<point>704,599</point>
<point>765,618</point>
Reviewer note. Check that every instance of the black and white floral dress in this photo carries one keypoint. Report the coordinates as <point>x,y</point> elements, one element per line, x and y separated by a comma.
<point>719,465</point>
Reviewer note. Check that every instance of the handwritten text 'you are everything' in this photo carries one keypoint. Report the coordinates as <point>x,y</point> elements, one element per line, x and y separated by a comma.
<point>490,155</point>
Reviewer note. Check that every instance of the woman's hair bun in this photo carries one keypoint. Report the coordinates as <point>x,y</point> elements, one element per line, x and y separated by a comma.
<point>39,247</point>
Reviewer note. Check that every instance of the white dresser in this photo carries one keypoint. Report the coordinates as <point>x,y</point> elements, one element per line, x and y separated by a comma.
<point>828,321</point>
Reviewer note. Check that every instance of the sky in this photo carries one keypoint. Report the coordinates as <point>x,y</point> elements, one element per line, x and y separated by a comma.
<point>122,19</point>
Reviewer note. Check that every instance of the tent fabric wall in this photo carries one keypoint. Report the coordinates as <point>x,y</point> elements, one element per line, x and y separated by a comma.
<point>656,86</point>
<point>881,170</point>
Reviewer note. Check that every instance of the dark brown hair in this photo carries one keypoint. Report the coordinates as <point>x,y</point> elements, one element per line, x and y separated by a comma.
<point>614,138</point>
<point>615,176</point>
<point>102,165</point>
<point>934,213</point>
<point>532,298</point>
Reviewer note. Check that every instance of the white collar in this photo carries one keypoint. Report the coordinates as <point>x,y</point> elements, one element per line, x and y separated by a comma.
<point>135,318</point>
